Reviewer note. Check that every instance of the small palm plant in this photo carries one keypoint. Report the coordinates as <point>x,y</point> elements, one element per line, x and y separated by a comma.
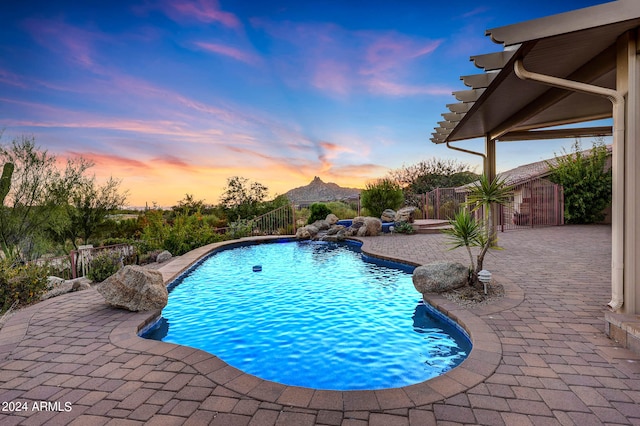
<point>467,231</point>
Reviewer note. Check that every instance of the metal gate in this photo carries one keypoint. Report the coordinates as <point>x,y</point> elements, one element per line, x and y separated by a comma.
<point>537,202</point>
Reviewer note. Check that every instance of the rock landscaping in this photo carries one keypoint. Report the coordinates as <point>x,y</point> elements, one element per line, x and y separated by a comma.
<point>329,230</point>
<point>135,288</point>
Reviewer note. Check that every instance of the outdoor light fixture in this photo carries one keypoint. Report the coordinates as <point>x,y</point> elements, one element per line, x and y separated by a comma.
<point>485,278</point>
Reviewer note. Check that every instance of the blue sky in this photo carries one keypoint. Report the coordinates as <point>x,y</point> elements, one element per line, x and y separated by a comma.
<point>174,97</point>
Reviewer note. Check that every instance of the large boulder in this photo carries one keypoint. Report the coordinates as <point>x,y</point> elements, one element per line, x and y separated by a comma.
<point>388,215</point>
<point>373,225</point>
<point>438,277</point>
<point>163,256</point>
<point>322,225</point>
<point>365,226</point>
<point>303,233</point>
<point>136,289</point>
<point>332,219</point>
<point>406,214</point>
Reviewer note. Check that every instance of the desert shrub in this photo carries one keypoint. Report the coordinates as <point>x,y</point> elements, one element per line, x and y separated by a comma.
<point>23,284</point>
<point>302,216</point>
<point>114,241</point>
<point>319,211</point>
<point>154,230</point>
<point>380,195</point>
<point>342,209</point>
<point>188,233</point>
<point>240,228</point>
<point>403,228</point>
<point>149,257</point>
<point>103,265</point>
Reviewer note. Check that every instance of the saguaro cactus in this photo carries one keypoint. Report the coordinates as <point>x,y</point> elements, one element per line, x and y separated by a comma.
<point>5,181</point>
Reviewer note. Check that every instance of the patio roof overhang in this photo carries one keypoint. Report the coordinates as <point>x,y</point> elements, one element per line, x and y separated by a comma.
<point>566,69</point>
<point>579,45</point>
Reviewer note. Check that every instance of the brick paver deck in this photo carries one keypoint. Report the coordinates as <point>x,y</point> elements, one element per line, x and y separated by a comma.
<point>540,355</point>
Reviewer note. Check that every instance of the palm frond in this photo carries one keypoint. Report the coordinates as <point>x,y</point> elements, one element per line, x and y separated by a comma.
<point>485,192</point>
<point>465,231</point>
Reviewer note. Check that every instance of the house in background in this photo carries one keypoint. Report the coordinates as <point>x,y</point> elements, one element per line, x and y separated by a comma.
<point>536,200</point>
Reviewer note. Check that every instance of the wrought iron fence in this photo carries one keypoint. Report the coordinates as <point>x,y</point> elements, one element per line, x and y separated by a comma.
<point>537,202</point>
<point>280,221</point>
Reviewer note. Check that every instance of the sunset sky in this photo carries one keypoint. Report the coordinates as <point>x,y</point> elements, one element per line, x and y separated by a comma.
<point>175,96</point>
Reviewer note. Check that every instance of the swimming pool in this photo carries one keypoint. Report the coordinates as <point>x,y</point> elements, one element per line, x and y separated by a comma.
<point>314,315</point>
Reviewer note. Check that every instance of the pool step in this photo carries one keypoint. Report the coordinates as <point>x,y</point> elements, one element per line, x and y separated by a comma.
<point>430,226</point>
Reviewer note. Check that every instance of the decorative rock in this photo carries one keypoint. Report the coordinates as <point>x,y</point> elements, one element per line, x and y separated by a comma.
<point>335,229</point>
<point>163,256</point>
<point>136,289</point>
<point>373,225</point>
<point>438,277</point>
<point>53,282</point>
<point>80,285</point>
<point>322,225</point>
<point>406,214</point>
<point>313,230</point>
<point>332,219</point>
<point>388,215</point>
<point>303,233</point>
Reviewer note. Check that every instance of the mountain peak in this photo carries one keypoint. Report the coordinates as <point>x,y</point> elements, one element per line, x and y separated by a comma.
<point>319,191</point>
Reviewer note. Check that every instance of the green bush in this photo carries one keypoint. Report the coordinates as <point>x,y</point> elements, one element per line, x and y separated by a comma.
<point>188,233</point>
<point>403,228</point>
<point>381,195</point>
<point>587,182</point>
<point>103,265</point>
<point>343,210</point>
<point>319,211</point>
<point>21,283</point>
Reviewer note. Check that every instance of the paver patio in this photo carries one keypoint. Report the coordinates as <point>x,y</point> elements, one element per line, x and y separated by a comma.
<point>540,355</point>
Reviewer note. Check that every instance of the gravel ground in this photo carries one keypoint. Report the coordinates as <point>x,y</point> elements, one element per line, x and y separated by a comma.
<point>470,296</point>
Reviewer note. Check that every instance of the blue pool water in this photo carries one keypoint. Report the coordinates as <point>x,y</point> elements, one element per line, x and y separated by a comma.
<point>314,315</point>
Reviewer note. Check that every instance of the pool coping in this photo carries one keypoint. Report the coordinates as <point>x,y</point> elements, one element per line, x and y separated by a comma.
<point>481,363</point>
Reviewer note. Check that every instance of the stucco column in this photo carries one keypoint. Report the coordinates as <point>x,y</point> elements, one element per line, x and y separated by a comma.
<point>628,82</point>
<point>490,159</point>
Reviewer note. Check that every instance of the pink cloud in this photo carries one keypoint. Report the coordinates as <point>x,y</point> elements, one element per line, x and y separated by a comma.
<point>11,79</point>
<point>109,161</point>
<point>76,44</point>
<point>206,11</point>
<point>339,61</point>
<point>231,52</point>
<point>333,76</point>
<point>392,51</point>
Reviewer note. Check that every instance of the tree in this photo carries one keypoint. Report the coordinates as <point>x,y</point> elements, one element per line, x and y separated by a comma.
<point>587,182</point>
<point>188,205</point>
<point>90,204</point>
<point>241,198</point>
<point>427,175</point>
<point>430,174</point>
<point>36,192</point>
<point>380,195</point>
<point>466,231</point>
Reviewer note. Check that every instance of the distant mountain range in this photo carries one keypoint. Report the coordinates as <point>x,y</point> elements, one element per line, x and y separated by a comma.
<point>318,191</point>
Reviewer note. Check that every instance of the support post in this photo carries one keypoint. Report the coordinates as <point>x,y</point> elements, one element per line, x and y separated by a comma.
<point>628,157</point>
